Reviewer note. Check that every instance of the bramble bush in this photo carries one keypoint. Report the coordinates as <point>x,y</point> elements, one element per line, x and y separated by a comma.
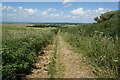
<point>20,48</point>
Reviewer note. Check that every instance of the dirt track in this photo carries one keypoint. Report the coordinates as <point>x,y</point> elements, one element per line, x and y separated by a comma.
<point>42,65</point>
<point>73,67</point>
<point>68,63</point>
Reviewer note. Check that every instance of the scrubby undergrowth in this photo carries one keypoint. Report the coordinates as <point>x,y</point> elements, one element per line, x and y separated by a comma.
<point>21,46</point>
<point>98,42</point>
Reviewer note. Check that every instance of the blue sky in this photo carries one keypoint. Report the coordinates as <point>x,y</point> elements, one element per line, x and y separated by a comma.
<point>77,12</point>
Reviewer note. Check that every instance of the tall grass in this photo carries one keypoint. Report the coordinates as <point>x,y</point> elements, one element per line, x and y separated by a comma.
<point>52,67</point>
<point>100,51</point>
<point>99,43</point>
<point>21,46</point>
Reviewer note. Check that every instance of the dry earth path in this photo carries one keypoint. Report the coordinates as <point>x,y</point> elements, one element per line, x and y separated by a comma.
<point>73,67</point>
<point>42,65</point>
<point>68,63</point>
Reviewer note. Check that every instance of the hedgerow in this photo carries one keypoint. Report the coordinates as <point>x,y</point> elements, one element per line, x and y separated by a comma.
<point>99,44</point>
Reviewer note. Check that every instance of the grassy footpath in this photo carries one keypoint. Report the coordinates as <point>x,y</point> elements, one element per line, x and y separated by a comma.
<point>55,67</point>
<point>52,69</point>
<point>59,64</point>
<point>21,46</point>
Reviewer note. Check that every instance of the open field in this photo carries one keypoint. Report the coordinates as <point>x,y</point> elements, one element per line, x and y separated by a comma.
<point>16,25</point>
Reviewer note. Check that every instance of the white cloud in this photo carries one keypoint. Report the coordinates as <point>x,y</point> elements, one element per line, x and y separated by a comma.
<point>81,11</point>
<point>56,15</point>
<point>20,7</point>
<point>7,8</point>
<point>44,13</point>
<point>50,9</point>
<point>87,15</point>
<point>67,5</point>
<point>31,11</point>
<point>78,11</point>
<point>66,1</point>
<point>100,9</point>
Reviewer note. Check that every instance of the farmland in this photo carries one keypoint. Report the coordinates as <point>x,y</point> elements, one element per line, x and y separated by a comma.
<point>62,51</point>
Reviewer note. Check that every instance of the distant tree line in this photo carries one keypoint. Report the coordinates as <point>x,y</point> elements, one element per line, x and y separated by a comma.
<point>45,25</point>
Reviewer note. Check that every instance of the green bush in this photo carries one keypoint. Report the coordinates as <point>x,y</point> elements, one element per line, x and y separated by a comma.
<point>46,25</point>
<point>21,48</point>
<point>98,42</point>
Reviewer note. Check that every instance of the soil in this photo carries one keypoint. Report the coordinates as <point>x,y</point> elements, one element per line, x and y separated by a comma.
<point>68,63</point>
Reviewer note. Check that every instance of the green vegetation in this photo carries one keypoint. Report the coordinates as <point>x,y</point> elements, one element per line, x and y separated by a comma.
<point>107,16</point>
<point>21,46</point>
<point>45,25</point>
<point>98,42</point>
<point>52,69</point>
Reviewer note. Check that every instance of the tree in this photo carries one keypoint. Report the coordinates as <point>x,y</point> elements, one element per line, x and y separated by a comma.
<point>96,19</point>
